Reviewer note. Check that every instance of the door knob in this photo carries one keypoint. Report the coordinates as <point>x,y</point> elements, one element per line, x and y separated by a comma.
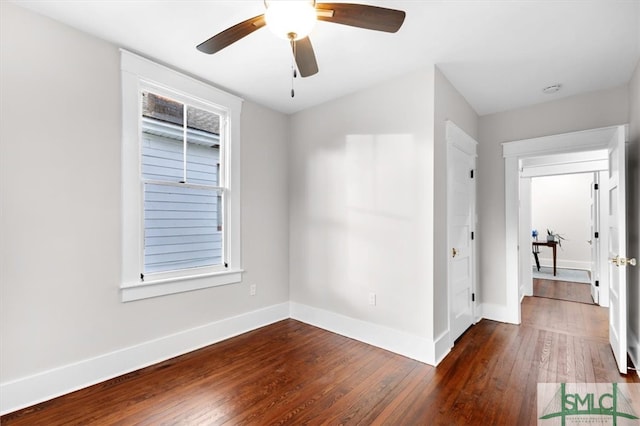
<point>623,261</point>
<point>454,252</point>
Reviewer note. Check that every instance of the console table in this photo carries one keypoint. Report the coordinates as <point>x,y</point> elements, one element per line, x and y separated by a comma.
<point>553,245</point>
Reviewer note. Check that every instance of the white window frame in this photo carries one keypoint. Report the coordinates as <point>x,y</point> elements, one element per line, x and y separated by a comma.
<point>140,74</point>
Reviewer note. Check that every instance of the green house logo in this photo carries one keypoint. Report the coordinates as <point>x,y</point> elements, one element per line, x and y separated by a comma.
<point>585,404</point>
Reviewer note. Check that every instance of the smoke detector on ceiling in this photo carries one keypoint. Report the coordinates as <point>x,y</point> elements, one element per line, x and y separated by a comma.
<point>551,89</point>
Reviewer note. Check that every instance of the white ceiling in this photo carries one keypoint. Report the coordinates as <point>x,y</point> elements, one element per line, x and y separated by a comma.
<point>498,54</point>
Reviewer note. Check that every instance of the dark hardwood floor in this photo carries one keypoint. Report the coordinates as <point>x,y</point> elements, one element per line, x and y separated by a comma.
<point>293,373</point>
<point>563,290</point>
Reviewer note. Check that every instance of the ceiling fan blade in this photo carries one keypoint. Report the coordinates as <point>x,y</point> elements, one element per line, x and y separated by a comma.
<point>361,16</point>
<point>305,58</point>
<point>231,35</point>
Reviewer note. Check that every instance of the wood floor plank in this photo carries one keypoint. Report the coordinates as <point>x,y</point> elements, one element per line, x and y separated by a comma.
<point>354,364</point>
<point>290,373</point>
<point>563,290</point>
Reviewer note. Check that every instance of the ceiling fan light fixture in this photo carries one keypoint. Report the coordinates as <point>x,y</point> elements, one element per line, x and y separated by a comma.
<point>290,20</point>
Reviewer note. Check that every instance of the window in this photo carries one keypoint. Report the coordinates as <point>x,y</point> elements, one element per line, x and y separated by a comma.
<point>183,192</point>
<point>180,182</point>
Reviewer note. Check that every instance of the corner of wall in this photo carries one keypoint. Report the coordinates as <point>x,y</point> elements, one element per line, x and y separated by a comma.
<point>399,342</point>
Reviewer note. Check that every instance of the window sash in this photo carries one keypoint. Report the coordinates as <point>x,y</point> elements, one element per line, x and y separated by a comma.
<point>139,74</point>
<point>183,230</point>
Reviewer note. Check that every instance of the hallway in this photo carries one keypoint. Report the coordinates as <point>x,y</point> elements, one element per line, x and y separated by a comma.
<point>562,290</point>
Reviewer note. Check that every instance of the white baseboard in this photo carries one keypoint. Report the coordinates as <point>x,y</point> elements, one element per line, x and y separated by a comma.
<point>495,312</point>
<point>565,264</point>
<point>40,387</point>
<point>442,347</point>
<point>523,291</point>
<point>633,349</point>
<point>399,342</point>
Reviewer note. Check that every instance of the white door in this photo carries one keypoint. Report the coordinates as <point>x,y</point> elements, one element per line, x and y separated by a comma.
<point>461,222</point>
<point>593,241</point>
<point>617,250</point>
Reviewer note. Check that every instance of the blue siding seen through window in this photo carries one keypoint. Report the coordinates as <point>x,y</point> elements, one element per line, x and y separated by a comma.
<point>182,222</point>
<point>181,228</point>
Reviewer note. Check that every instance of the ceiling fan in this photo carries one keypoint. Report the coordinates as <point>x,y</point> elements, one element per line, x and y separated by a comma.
<point>294,20</point>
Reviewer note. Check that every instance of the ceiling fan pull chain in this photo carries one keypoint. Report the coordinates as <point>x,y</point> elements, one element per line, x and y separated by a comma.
<point>294,74</point>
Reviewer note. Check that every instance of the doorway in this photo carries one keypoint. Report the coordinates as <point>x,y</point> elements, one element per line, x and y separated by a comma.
<point>564,226</point>
<point>516,154</point>
<point>539,156</point>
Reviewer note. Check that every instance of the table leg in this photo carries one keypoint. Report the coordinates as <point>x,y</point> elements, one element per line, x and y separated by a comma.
<point>554,260</point>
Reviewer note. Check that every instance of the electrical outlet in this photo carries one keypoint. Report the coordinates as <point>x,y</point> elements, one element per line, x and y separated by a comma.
<point>372,299</point>
<point>252,290</point>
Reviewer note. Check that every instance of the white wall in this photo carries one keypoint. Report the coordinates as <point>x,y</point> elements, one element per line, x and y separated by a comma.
<point>587,111</point>
<point>361,205</point>
<point>366,215</point>
<point>60,201</point>
<point>563,205</point>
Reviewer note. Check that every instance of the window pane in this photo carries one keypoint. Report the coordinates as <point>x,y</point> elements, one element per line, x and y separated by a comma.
<point>203,146</point>
<point>162,138</point>
<point>182,225</point>
<point>182,228</point>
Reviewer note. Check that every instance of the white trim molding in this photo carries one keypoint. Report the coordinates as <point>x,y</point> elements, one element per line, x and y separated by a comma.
<point>585,140</point>
<point>441,347</point>
<point>566,264</point>
<point>513,153</point>
<point>494,312</point>
<point>633,348</point>
<point>131,292</point>
<point>399,342</point>
<point>27,391</point>
<point>137,74</point>
<point>460,139</point>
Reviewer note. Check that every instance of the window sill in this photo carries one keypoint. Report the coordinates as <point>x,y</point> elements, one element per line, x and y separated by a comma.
<point>149,289</point>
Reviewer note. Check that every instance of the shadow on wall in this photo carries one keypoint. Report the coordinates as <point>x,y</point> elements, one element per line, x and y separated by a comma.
<point>363,199</point>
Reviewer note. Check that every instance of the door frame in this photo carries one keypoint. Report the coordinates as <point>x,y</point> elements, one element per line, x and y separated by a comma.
<point>458,138</point>
<point>516,151</point>
<point>592,162</point>
<point>602,259</point>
